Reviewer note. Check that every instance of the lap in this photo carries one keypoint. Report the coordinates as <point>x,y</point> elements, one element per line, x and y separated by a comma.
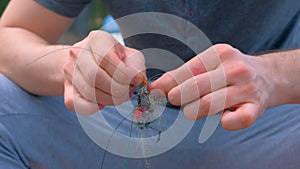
<point>42,133</point>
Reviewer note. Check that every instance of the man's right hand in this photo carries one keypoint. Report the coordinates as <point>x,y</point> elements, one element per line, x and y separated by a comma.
<point>99,72</point>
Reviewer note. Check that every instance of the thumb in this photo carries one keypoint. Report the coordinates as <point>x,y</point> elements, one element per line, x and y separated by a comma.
<point>242,117</point>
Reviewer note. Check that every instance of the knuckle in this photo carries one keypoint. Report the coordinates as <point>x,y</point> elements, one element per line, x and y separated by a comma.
<point>197,86</point>
<point>93,34</point>
<point>240,69</point>
<point>225,51</point>
<point>223,48</point>
<point>101,35</point>
<point>74,53</point>
<point>170,80</point>
<point>97,33</point>
<point>252,87</point>
<point>174,98</point>
<point>246,70</point>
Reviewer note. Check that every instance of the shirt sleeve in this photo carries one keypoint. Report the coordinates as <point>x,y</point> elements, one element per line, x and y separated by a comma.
<point>68,8</point>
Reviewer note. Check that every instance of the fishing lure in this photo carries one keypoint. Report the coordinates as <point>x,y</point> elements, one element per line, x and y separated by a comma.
<point>148,105</point>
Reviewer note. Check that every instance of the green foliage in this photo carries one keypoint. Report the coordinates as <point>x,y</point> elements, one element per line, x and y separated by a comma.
<point>3,4</point>
<point>98,12</point>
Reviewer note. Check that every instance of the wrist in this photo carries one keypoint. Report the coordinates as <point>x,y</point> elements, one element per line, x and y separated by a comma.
<point>276,69</point>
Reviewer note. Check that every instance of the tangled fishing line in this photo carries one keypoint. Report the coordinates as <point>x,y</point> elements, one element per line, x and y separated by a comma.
<point>148,110</point>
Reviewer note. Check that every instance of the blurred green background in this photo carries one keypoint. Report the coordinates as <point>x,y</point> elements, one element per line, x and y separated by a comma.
<point>3,4</point>
<point>97,13</point>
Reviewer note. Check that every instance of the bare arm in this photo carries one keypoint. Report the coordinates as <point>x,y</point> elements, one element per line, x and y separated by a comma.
<point>27,31</point>
<point>103,73</point>
<point>283,70</point>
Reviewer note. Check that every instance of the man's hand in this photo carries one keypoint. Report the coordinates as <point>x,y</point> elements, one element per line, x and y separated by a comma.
<point>221,79</point>
<point>100,72</point>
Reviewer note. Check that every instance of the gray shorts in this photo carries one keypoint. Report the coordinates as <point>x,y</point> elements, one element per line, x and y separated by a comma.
<point>39,132</point>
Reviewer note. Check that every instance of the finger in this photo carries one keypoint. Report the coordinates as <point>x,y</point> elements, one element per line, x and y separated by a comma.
<point>89,92</point>
<point>217,101</point>
<point>112,61</point>
<point>136,59</point>
<point>197,86</point>
<point>208,105</point>
<point>242,117</point>
<point>129,71</point>
<point>97,77</point>
<point>76,103</point>
<point>113,65</point>
<point>109,55</point>
<point>95,95</point>
<point>206,61</point>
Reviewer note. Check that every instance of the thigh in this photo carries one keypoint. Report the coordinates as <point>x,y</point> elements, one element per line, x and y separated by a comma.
<point>272,142</point>
<point>44,134</point>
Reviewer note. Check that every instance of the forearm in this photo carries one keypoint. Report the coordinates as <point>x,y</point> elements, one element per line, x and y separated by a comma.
<point>283,69</point>
<point>18,50</point>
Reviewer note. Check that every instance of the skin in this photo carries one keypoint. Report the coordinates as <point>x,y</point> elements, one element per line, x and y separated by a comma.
<point>103,73</point>
<point>223,79</point>
<point>92,73</point>
<point>98,71</point>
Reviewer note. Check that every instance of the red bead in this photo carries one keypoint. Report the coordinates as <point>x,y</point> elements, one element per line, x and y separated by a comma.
<point>138,114</point>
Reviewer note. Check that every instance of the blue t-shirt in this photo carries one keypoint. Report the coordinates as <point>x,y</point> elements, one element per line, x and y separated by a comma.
<point>249,25</point>
<point>252,26</point>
